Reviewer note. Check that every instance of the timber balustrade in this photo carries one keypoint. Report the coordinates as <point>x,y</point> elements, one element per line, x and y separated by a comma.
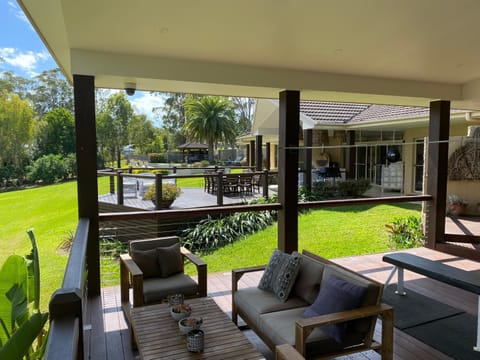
<point>67,304</point>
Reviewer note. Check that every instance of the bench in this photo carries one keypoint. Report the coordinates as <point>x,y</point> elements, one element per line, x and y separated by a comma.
<point>436,270</point>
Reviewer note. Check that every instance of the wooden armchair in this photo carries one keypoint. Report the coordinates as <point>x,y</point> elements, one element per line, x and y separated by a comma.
<point>162,261</point>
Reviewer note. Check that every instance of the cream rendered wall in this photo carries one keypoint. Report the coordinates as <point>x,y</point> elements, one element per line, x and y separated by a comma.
<point>467,189</point>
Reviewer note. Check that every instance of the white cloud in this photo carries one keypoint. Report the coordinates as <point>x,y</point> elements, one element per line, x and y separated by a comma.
<point>26,61</point>
<point>144,102</point>
<point>18,12</point>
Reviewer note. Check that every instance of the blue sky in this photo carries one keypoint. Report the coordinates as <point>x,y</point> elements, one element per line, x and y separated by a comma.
<point>23,53</point>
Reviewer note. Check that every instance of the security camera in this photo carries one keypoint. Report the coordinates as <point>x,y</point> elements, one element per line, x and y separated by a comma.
<point>130,88</point>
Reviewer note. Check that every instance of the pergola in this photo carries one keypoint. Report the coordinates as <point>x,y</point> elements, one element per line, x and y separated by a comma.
<point>417,53</point>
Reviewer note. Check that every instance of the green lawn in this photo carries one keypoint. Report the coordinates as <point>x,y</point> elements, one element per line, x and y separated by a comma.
<point>52,212</point>
<point>331,233</point>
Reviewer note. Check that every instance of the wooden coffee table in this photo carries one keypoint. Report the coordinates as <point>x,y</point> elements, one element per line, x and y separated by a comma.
<point>158,337</point>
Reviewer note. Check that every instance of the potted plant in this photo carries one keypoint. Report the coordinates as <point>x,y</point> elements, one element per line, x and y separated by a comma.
<point>456,205</point>
<point>169,193</point>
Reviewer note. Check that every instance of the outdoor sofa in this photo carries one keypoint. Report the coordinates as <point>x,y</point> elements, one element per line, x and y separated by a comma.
<point>288,313</point>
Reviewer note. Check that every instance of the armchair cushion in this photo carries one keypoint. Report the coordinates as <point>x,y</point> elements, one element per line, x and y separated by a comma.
<point>280,274</point>
<point>155,290</point>
<point>170,260</point>
<point>147,262</point>
<point>336,295</point>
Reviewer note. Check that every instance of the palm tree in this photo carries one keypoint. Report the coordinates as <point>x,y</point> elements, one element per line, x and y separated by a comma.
<point>210,119</point>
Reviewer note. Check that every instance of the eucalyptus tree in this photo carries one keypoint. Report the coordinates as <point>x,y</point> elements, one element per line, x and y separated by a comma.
<point>56,134</point>
<point>244,109</point>
<point>141,133</point>
<point>50,90</point>
<point>210,119</point>
<point>16,134</point>
<point>112,125</point>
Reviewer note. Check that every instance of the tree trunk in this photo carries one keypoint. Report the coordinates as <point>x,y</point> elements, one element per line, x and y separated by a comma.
<point>210,153</point>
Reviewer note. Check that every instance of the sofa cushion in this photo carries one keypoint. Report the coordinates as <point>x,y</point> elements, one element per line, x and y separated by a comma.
<point>336,295</point>
<point>309,278</point>
<point>157,289</point>
<point>254,302</point>
<point>280,274</point>
<point>279,327</point>
<point>147,262</point>
<point>372,297</point>
<point>170,259</point>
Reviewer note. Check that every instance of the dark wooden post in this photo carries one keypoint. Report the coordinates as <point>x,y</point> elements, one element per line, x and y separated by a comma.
<point>350,154</point>
<point>259,153</point>
<point>86,147</point>
<point>307,155</point>
<point>112,182</point>
<point>289,127</point>
<point>158,191</point>
<point>119,187</point>
<point>219,180</point>
<point>275,156</point>
<point>265,184</point>
<point>267,155</point>
<point>251,159</point>
<point>437,172</point>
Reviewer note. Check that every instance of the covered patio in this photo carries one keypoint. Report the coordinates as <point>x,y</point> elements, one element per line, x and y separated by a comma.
<point>409,53</point>
<point>111,338</point>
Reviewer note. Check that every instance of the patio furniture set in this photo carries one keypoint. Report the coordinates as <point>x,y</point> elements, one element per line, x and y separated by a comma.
<point>285,308</point>
<point>233,184</point>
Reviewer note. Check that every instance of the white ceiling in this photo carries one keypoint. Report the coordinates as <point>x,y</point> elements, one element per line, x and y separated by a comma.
<point>404,52</point>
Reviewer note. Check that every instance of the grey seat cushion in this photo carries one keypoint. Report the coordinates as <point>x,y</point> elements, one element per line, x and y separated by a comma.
<point>254,302</point>
<point>309,278</point>
<point>280,328</point>
<point>157,289</point>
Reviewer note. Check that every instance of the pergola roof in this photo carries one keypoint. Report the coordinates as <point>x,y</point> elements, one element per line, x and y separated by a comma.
<point>387,52</point>
<point>192,145</point>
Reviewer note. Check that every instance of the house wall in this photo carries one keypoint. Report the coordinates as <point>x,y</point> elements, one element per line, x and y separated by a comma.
<point>469,190</point>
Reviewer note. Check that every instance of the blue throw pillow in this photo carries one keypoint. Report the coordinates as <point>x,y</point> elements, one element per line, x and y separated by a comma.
<point>336,295</point>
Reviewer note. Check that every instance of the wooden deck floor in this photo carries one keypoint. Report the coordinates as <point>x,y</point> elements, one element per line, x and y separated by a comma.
<point>107,336</point>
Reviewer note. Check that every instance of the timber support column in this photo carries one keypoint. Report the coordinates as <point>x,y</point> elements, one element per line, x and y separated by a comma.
<point>259,153</point>
<point>87,193</point>
<point>350,154</point>
<point>251,160</point>
<point>437,172</point>
<point>289,127</point>
<point>267,156</point>
<point>307,156</point>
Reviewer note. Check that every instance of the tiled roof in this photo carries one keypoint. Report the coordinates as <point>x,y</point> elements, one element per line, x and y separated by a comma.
<point>390,112</point>
<point>332,112</point>
<point>344,113</point>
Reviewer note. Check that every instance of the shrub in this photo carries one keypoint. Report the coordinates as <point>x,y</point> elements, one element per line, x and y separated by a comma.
<point>212,233</point>
<point>353,187</point>
<point>406,233</point>
<point>157,158</point>
<point>48,168</point>
<point>169,192</point>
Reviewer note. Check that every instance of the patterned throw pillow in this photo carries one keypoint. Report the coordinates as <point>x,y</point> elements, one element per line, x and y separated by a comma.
<point>280,274</point>
<point>336,295</point>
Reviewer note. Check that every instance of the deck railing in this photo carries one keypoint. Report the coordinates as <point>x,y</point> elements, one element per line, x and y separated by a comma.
<point>216,174</point>
<point>67,305</point>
